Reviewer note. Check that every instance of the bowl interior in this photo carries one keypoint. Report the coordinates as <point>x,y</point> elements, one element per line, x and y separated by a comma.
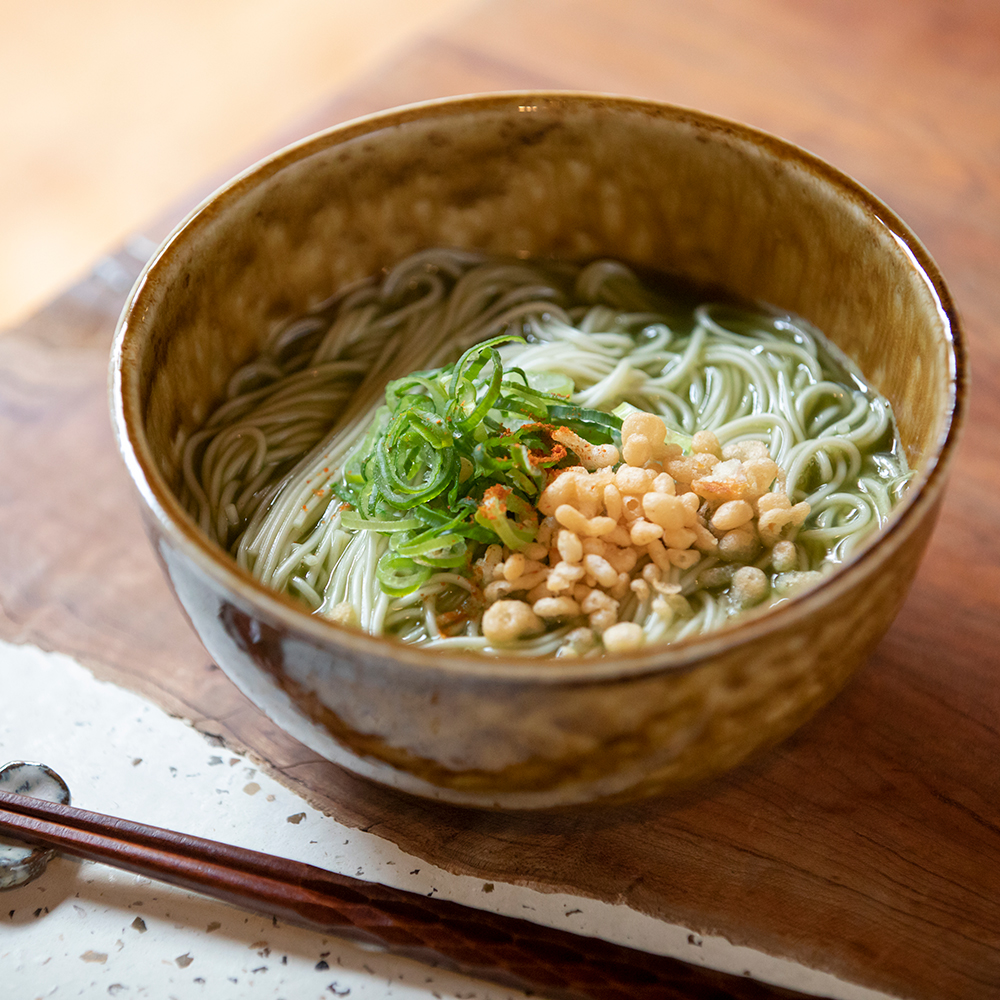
<point>569,176</point>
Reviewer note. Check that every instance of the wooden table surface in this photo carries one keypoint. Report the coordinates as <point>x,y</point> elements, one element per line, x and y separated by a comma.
<point>868,845</point>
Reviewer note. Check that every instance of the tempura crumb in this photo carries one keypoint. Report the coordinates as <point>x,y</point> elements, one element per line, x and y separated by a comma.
<point>609,533</point>
<point>344,614</point>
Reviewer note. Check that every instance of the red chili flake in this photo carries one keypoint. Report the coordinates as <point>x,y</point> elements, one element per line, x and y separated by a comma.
<point>538,458</point>
<point>544,428</point>
<point>553,474</point>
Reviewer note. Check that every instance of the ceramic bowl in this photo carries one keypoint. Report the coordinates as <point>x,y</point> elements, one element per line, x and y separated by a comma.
<point>574,176</point>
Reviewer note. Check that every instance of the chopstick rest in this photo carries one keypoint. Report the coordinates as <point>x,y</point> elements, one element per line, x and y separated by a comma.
<point>21,862</point>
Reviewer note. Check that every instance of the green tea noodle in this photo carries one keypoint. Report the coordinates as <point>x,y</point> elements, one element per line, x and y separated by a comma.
<point>261,476</point>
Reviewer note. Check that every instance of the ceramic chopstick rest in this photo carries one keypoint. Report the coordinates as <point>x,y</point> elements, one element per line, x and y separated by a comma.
<point>21,862</point>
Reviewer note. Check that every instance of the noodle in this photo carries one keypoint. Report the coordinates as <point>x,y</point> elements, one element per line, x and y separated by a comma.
<point>264,477</point>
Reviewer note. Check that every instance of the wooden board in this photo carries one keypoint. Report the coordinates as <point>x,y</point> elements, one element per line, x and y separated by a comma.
<point>868,845</point>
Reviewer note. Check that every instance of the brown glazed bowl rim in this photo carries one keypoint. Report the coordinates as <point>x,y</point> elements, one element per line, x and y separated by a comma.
<point>687,654</point>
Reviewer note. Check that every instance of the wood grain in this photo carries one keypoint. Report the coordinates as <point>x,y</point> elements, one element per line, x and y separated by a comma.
<point>441,933</point>
<point>869,844</point>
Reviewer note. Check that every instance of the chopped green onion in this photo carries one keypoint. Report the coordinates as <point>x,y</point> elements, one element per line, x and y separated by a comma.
<point>399,576</point>
<point>349,519</point>
<point>456,459</point>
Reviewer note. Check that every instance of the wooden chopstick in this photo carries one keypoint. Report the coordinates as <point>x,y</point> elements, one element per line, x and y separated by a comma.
<point>501,949</point>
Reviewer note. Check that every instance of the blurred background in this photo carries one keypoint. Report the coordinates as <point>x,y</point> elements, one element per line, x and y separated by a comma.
<point>113,110</point>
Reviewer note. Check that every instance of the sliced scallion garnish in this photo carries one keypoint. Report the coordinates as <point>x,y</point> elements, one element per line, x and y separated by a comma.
<point>457,458</point>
